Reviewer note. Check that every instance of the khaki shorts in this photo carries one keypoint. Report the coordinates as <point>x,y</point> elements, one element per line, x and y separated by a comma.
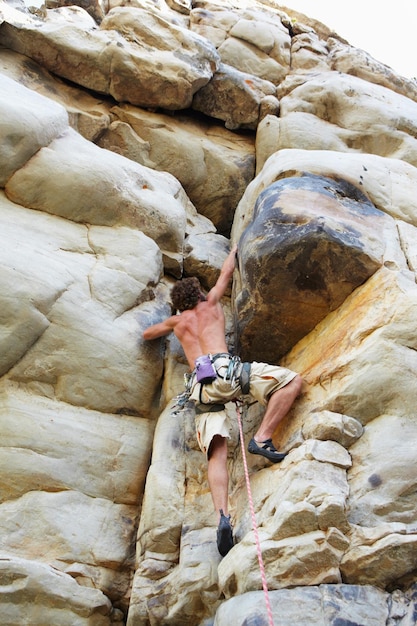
<point>265,379</point>
<point>208,425</point>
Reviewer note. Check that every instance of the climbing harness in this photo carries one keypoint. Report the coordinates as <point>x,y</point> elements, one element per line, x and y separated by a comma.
<point>236,370</point>
<point>252,510</point>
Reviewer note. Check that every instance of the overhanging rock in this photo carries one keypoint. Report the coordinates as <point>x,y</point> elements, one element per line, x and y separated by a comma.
<point>311,242</point>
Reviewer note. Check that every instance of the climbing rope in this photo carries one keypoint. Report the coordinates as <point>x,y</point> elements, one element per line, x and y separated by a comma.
<point>254,524</point>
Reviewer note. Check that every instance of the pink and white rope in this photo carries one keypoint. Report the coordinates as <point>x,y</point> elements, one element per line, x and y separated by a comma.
<point>254,524</point>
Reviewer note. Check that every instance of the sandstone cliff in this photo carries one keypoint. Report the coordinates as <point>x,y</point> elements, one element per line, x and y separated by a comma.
<point>138,139</point>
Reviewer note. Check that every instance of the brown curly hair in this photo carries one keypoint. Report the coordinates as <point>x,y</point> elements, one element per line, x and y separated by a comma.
<point>186,294</point>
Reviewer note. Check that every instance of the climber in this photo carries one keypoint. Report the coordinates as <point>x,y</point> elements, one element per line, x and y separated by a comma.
<point>217,378</point>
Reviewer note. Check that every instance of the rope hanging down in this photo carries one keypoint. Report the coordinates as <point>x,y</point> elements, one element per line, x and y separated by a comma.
<point>254,524</point>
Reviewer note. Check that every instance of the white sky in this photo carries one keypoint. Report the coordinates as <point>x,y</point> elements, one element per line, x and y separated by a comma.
<point>387,30</point>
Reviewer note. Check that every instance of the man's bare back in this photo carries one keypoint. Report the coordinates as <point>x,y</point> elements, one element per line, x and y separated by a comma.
<point>200,330</point>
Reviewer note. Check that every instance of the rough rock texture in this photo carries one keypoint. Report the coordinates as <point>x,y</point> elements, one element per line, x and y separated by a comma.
<point>312,240</point>
<point>139,139</point>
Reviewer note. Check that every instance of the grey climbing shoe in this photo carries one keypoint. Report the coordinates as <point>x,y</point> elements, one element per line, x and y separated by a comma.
<point>267,449</point>
<point>224,534</point>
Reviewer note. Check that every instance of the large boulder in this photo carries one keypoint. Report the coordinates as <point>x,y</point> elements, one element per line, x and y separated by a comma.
<point>53,597</point>
<point>311,242</point>
<point>138,55</point>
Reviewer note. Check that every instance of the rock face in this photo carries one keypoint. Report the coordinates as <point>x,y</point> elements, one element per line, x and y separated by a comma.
<point>312,240</point>
<point>138,140</point>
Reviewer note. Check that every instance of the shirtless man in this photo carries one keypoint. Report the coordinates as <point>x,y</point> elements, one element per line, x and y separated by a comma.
<point>200,327</point>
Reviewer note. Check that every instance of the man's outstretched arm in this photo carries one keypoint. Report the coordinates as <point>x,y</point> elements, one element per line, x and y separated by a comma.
<point>226,273</point>
<point>161,329</point>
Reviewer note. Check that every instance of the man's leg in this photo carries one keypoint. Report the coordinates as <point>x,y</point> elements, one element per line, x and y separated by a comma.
<point>278,406</point>
<point>218,479</point>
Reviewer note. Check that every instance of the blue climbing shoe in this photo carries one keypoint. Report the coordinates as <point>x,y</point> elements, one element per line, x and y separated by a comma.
<point>224,534</point>
<point>267,449</point>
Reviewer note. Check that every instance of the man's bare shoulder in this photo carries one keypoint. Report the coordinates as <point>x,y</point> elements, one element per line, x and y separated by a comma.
<point>185,320</point>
